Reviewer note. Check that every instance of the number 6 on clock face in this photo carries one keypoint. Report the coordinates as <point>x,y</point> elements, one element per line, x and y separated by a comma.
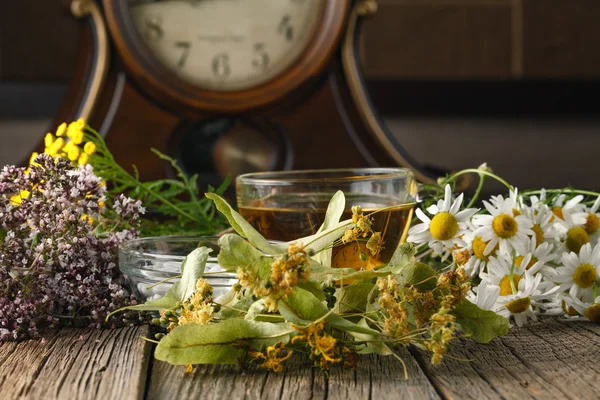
<point>225,45</point>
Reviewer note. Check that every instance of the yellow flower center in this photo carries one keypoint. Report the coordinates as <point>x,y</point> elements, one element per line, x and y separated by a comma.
<point>505,226</point>
<point>584,276</point>
<point>519,305</point>
<point>479,248</point>
<point>576,237</point>
<point>539,234</point>
<point>516,212</point>
<point>505,287</point>
<point>556,210</point>
<point>593,313</point>
<point>519,260</point>
<point>592,224</point>
<point>569,310</point>
<point>443,226</point>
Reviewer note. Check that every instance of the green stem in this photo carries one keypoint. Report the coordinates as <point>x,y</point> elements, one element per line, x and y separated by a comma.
<point>480,172</point>
<point>512,271</point>
<point>478,191</point>
<point>137,183</point>
<point>572,191</point>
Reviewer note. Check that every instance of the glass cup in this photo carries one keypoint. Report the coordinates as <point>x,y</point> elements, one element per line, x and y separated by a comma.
<point>288,205</point>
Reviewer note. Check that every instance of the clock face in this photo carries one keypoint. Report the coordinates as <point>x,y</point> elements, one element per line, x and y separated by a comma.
<point>226,45</point>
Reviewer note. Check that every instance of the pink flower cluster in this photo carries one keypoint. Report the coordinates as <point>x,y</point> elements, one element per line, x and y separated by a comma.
<point>58,248</point>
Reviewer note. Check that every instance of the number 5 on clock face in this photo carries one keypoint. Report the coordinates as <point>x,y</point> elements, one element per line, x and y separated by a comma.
<point>226,45</point>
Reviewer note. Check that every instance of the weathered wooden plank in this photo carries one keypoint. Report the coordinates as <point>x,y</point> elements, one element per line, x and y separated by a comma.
<point>548,360</point>
<point>375,377</point>
<point>381,378</point>
<point>76,364</point>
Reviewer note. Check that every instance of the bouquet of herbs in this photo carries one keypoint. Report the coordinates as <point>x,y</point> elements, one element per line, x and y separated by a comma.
<point>464,273</point>
<point>62,219</point>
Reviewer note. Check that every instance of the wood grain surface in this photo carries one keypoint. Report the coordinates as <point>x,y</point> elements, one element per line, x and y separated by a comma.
<point>551,359</point>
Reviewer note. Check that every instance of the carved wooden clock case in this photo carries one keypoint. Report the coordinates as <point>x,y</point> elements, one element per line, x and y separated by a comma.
<point>313,112</point>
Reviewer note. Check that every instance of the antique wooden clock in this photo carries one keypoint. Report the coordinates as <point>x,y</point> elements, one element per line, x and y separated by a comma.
<point>230,86</point>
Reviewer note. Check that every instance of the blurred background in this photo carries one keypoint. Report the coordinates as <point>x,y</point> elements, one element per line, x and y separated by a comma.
<point>513,83</point>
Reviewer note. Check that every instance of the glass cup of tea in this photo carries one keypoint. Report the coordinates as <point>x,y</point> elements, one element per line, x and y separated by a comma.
<point>287,205</point>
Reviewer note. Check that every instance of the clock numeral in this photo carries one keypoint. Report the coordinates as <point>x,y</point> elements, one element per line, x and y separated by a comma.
<point>185,47</point>
<point>261,57</point>
<point>220,66</point>
<point>285,28</point>
<point>153,29</point>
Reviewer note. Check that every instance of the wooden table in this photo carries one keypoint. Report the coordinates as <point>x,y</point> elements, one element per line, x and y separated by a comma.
<point>552,359</point>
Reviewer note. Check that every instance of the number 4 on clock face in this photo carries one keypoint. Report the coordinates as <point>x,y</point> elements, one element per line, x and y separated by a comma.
<point>226,45</point>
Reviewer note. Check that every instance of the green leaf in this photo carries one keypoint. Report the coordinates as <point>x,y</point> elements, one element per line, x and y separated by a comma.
<point>314,288</point>
<point>235,309</point>
<point>419,274</point>
<point>192,269</point>
<point>301,307</point>
<point>242,227</point>
<point>220,343</point>
<point>372,345</point>
<point>404,255</point>
<point>334,212</point>
<point>236,252</point>
<point>481,325</point>
<point>255,309</point>
<point>353,298</point>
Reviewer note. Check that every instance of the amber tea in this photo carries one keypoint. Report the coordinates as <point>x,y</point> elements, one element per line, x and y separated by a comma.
<point>288,216</point>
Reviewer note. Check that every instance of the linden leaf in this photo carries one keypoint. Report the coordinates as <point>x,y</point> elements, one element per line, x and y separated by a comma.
<point>221,343</point>
<point>353,298</point>
<point>419,274</point>
<point>372,344</point>
<point>236,252</point>
<point>403,255</point>
<point>334,212</point>
<point>192,269</point>
<point>243,227</point>
<point>302,307</point>
<point>481,325</point>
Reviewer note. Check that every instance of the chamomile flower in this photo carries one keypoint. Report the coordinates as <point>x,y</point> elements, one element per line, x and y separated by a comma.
<point>539,256</point>
<point>513,197</point>
<point>484,295</point>
<point>572,231</point>
<point>503,273</point>
<point>580,271</point>
<point>502,227</point>
<point>443,231</point>
<point>544,225</point>
<point>479,261</point>
<point>520,305</point>
<point>592,221</point>
<point>573,205</point>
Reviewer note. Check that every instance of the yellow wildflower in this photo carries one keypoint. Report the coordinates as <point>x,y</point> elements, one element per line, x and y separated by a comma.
<point>272,356</point>
<point>89,148</point>
<point>80,123</point>
<point>73,153</point>
<point>62,129</point>
<point>49,139</point>
<point>18,198</point>
<point>87,218</point>
<point>324,348</point>
<point>77,137</point>
<point>83,159</point>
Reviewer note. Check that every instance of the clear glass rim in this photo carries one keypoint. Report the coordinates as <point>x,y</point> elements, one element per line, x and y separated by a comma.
<point>129,246</point>
<point>331,175</point>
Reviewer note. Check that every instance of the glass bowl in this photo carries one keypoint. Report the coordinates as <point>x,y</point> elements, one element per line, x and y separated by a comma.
<point>148,262</point>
